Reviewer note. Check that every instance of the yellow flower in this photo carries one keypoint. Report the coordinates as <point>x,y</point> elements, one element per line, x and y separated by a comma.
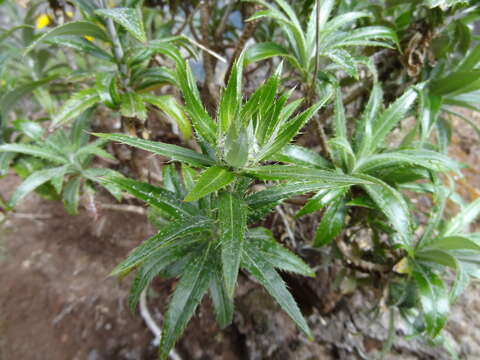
<point>69,14</point>
<point>42,21</point>
<point>89,38</point>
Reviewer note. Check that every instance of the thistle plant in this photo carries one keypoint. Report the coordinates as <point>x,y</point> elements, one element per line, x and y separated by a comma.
<point>210,225</point>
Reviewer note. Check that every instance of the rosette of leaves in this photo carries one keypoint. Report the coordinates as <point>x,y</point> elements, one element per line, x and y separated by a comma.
<point>424,293</point>
<point>206,240</point>
<point>335,38</point>
<point>66,160</point>
<point>365,155</point>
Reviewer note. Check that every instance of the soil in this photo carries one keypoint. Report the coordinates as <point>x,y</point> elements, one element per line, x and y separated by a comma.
<point>57,301</point>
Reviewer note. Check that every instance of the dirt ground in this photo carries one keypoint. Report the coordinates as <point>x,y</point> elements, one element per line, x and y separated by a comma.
<point>58,303</point>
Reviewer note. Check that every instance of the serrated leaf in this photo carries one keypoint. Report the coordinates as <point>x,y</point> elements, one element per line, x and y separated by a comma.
<point>32,182</point>
<point>296,173</point>
<point>76,105</point>
<point>155,196</point>
<point>393,205</point>
<point>332,223</point>
<point>187,296</point>
<point>154,265</point>
<point>78,28</point>
<point>266,275</point>
<point>289,130</point>
<point>170,151</point>
<point>231,100</point>
<point>34,150</point>
<point>390,118</point>
<point>222,303</point>
<point>232,216</point>
<point>212,179</point>
<point>129,18</point>
<point>277,193</point>
<point>165,236</point>
<point>278,256</point>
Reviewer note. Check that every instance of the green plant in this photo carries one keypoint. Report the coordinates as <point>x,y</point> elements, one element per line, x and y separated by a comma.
<point>382,143</point>
<point>327,43</point>
<point>218,207</point>
<point>66,162</point>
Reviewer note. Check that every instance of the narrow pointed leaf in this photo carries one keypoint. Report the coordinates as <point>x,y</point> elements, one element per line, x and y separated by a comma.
<point>78,28</point>
<point>277,193</point>
<point>212,179</point>
<point>165,236</point>
<point>266,275</point>
<point>170,151</point>
<point>299,155</point>
<point>277,255</point>
<point>76,105</point>
<point>155,196</point>
<point>34,150</point>
<point>222,303</point>
<point>232,216</point>
<point>154,265</point>
<point>433,298</point>
<point>33,181</point>
<point>187,296</point>
<point>296,173</point>
<point>71,195</point>
<point>393,205</point>
<point>169,106</point>
<point>332,223</point>
<point>463,219</point>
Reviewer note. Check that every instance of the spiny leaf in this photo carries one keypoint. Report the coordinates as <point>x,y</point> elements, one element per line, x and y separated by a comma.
<point>165,236</point>
<point>170,151</point>
<point>265,273</point>
<point>34,150</point>
<point>212,179</point>
<point>163,199</point>
<point>295,173</point>
<point>279,257</point>
<point>188,294</point>
<point>232,216</point>
<point>222,303</point>
<point>281,192</point>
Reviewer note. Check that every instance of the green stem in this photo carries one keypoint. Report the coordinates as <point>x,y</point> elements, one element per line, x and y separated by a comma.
<point>117,47</point>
